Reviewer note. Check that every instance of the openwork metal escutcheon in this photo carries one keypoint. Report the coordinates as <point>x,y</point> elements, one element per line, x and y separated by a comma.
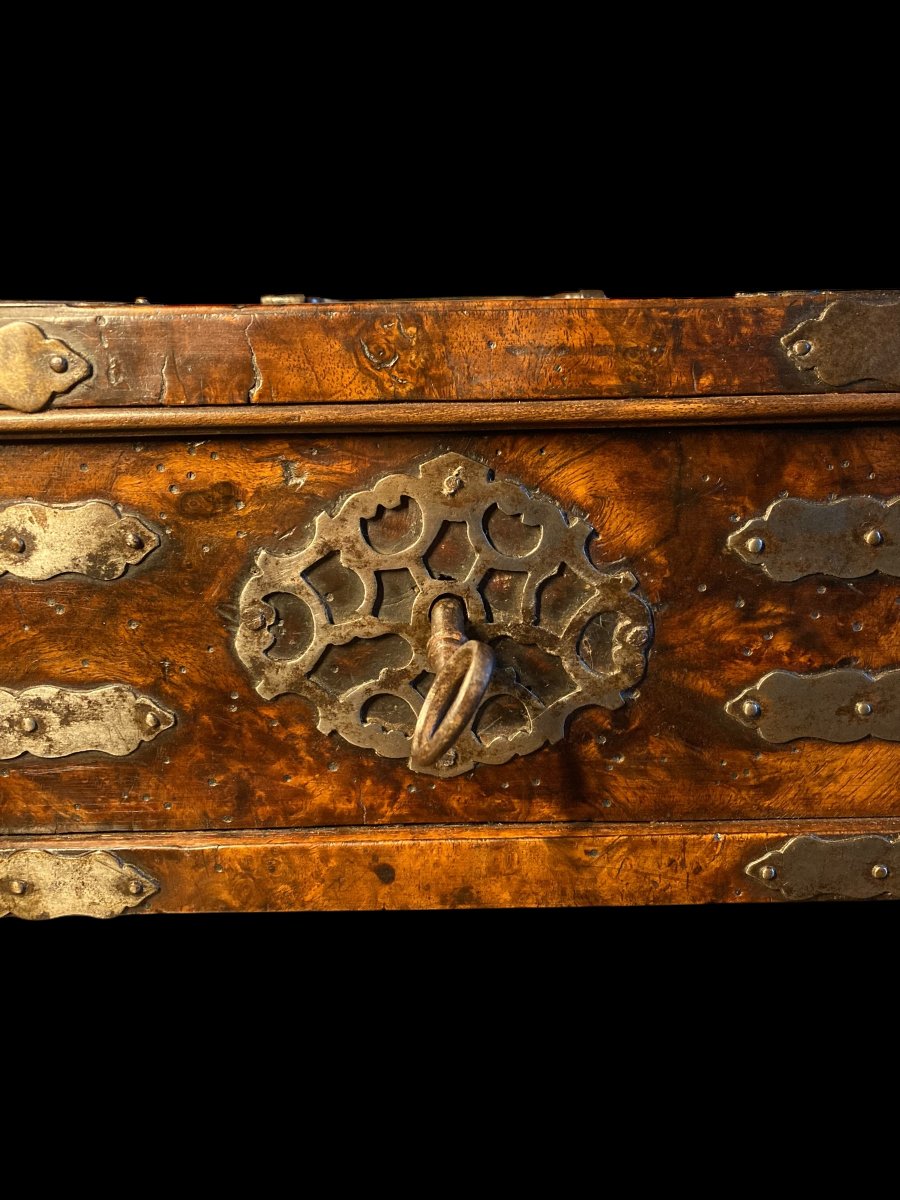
<point>847,538</point>
<point>847,868</point>
<point>842,705</point>
<point>39,884</point>
<point>346,622</point>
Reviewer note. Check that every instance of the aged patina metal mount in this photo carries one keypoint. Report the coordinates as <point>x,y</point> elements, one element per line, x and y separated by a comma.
<point>840,705</point>
<point>93,538</point>
<point>848,538</point>
<point>41,884</point>
<point>852,341</point>
<point>35,368</point>
<point>347,621</point>
<point>847,868</point>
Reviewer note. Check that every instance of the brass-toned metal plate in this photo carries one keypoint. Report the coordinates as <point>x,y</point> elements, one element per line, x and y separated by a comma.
<point>344,621</point>
<point>52,722</point>
<point>847,538</point>
<point>38,541</point>
<point>851,342</point>
<point>35,368</point>
<point>845,868</point>
<point>841,705</point>
<point>39,884</point>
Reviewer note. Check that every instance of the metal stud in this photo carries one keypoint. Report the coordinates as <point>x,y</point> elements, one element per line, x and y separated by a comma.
<point>16,544</point>
<point>767,873</point>
<point>135,887</point>
<point>29,724</point>
<point>18,887</point>
<point>133,541</point>
<point>151,721</point>
<point>873,537</point>
<point>880,871</point>
<point>751,708</point>
<point>755,545</point>
<point>863,709</point>
<point>59,364</point>
<point>802,347</point>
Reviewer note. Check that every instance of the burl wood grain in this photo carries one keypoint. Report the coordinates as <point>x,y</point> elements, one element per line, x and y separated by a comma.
<point>663,501</point>
<point>430,350</point>
<point>457,867</point>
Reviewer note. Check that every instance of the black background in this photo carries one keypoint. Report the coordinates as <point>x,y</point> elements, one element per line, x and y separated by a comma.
<point>381,234</point>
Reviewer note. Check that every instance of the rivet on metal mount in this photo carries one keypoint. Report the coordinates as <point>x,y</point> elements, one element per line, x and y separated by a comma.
<point>40,884</point>
<point>94,539</point>
<point>842,705</point>
<point>850,342</point>
<point>845,868</point>
<point>406,581</point>
<point>848,538</point>
<point>111,720</point>
<point>35,368</point>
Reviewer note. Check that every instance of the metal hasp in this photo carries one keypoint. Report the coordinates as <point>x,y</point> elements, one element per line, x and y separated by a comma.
<point>842,705</point>
<point>847,538</point>
<point>851,342</point>
<point>347,621</point>
<point>53,722</point>
<point>35,368</point>
<point>40,884</point>
<point>94,539</point>
<point>843,868</point>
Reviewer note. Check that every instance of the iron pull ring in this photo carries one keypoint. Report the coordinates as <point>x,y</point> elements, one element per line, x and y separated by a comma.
<point>462,672</point>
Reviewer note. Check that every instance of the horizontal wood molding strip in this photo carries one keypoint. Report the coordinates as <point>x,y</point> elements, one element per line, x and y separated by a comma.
<point>456,867</point>
<point>432,350</point>
<point>421,416</point>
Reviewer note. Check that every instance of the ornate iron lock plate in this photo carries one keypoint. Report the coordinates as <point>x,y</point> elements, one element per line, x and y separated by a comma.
<point>351,621</point>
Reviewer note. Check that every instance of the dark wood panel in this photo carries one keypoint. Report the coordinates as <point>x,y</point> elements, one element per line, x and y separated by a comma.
<point>663,501</point>
<point>431,350</point>
<point>427,868</point>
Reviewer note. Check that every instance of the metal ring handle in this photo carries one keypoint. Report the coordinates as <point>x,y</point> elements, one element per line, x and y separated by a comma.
<point>452,701</point>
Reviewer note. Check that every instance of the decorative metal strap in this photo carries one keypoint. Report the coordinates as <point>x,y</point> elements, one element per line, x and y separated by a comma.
<point>851,342</point>
<point>849,868</point>
<point>35,368</point>
<point>841,705</point>
<point>37,884</point>
<point>94,539</point>
<point>52,722</point>
<point>848,538</point>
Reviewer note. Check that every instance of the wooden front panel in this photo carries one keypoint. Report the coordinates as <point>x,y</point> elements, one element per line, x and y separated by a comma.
<point>664,501</point>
